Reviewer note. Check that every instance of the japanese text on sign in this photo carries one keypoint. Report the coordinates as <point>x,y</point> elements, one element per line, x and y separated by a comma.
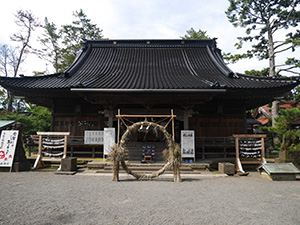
<point>8,142</point>
<point>93,137</point>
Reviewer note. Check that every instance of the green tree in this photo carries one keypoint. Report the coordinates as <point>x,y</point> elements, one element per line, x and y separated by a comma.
<point>6,53</point>
<point>27,23</point>
<point>286,129</point>
<point>265,21</point>
<point>50,41</point>
<point>73,36</point>
<point>62,45</point>
<point>3,99</point>
<point>192,34</point>
<point>34,118</point>
<point>259,73</point>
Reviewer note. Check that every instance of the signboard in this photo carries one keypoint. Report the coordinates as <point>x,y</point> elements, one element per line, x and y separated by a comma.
<point>109,140</point>
<point>8,143</point>
<point>93,137</point>
<point>188,144</point>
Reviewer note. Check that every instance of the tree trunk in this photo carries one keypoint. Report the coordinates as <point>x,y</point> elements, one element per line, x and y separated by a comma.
<point>10,101</point>
<point>272,72</point>
<point>275,107</point>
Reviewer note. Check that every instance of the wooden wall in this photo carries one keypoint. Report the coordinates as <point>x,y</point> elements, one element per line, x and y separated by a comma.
<point>205,126</point>
<point>76,125</point>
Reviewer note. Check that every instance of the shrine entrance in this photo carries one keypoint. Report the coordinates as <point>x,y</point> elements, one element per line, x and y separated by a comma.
<point>147,143</point>
<point>171,153</point>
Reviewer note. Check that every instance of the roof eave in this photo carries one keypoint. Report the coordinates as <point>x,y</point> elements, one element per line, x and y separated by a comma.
<point>148,90</point>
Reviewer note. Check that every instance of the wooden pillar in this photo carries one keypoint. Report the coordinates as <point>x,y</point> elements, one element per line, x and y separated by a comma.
<point>238,163</point>
<point>77,112</point>
<point>65,146</point>
<point>110,116</point>
<point>263,150</point>
<point>38,161</point>
<point>245,119</point>
<point>173,125</point>
<point>185,119</point>
<point>52,119</point>
<point>118,137</point>
<point>221,114</point>
<point>40,145</point>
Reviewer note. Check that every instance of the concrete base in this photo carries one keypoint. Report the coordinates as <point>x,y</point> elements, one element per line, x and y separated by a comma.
<point>227,168</point>
<point>69,164</point>
<point>65,172</point>
<point>96,165</point>
<point>278,177</point>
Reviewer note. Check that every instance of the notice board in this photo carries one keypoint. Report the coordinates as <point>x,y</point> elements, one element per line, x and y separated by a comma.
<point>8,143</point>
<point>93,137</point>
<point>188,144</point>
<point>109,140</point>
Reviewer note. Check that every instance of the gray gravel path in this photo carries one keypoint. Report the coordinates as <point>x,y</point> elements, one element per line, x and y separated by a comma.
<point>45,198</point>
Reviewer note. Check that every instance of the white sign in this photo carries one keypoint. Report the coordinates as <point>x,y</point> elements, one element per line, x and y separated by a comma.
<point>8,143</point>
<point>93,137</point>
<point>109,140</point>
<point>187,144</point>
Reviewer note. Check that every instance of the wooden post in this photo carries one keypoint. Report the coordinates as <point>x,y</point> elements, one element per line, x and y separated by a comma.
<point>110,116</point>
<point>237,147</point>
<point>173,128</point>
<point>263,150</point>
<point>93,152</point>
<point>185,119</point>
<point>118,138</point>
<point>65,146</point>
<point>237,152</point>
<point>38,162</point>
<point>40,145</point>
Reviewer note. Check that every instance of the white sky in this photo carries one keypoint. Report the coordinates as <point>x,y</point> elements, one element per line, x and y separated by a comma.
<point>132,19</point>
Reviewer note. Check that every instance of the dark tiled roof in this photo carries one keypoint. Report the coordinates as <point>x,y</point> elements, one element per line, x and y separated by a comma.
<point>153,64</point>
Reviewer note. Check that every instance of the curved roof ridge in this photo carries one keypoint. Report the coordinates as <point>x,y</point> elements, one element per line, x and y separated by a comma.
<point>223,68</point>
<point>79,60</point>
<point>152,42</point>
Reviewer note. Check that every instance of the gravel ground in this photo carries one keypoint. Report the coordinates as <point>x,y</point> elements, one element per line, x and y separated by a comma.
<point>45,198</point>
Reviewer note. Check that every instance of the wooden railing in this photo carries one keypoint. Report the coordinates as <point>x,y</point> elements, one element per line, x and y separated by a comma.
<point>76,146</point>
<point>206,147</point>
<point>215,147</point>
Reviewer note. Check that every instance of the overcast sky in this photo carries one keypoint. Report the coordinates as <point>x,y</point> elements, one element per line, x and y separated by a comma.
<point>133,19</point>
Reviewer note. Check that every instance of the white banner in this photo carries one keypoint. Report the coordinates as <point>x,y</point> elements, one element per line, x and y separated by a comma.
<point>187,144</point>
<point>8,143</point>
<point>109,140</point>
<point>93,137</point>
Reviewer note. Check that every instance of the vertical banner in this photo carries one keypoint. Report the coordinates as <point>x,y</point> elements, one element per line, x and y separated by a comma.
<point>8,143</point>
<point>188,144</point>
<point>109,140</point>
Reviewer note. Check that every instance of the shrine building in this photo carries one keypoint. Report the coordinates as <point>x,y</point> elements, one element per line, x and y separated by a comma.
<point>151,77</point>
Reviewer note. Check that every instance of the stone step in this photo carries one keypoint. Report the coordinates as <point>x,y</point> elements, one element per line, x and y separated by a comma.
<point>148,168</point>
<point>149,172</point>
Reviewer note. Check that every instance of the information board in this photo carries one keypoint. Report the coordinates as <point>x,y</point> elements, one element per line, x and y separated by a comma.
<point>8,143</point>
<point>188,144</point>
<point>93,137</point>
<point>109,140</point>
